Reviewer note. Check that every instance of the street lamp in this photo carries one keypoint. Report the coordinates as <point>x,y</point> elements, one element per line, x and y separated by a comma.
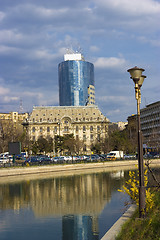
<point>59,138</point>
<point>138,78</point>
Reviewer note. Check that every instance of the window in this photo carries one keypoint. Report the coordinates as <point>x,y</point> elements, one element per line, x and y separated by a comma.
<point>98,137</point>
<point>66,129</point>
<point>98,128</point>
<point>48,129</point>
<point>91,137</point>
<point>55,129</point>
<point>76,128</point>
<point>84,119</point>
<point>84,148</point>
<point>55,119</point>
<point>40,119</point>
<point>41,129</point>
<point>84,128</point>
<point>91,128</point>
<point>33,129</point>
<point>65,121</point>
<point>33,138</point>
<point>33,120</point>
<point>84,137</point>
<point>76,119</point>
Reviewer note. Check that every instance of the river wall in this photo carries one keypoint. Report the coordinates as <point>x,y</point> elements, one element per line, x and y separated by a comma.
<point>72,168</point>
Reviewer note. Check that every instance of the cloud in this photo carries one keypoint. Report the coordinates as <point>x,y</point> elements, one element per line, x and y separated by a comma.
<point>114,35</point>
<point>4,90</point>
<point>131,8</point>
<point>2,15</point>
<point>111,62</point>
<point>8,99</point>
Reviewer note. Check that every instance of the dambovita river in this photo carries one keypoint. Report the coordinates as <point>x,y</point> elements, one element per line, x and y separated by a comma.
<point>65,206</point>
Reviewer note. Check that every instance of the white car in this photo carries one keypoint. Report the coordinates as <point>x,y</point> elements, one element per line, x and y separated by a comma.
<point>4,160</point>
<point>67,158</point>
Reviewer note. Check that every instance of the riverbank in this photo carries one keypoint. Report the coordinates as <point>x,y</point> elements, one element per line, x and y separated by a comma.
<point>147,228</point>
<point>71,168</point>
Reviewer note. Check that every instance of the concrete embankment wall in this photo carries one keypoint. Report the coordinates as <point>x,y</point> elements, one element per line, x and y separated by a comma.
<point>72,168</point>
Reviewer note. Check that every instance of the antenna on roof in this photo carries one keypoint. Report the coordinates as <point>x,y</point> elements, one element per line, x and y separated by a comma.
<point>20,106</point>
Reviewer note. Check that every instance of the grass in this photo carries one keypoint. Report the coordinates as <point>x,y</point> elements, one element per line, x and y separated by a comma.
<point>147,228</point>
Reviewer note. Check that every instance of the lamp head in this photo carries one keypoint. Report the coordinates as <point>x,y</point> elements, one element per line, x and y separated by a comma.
<point>140,82</point>
<point>135,72</point>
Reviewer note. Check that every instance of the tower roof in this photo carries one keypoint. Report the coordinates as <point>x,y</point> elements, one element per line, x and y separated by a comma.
<point>73,56</point>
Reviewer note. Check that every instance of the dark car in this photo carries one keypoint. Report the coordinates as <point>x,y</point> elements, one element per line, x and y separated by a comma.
<point>34,160</point>
<point>45,160</point>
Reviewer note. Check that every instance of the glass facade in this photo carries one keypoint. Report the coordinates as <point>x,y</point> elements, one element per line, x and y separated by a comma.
<point>74,79</point>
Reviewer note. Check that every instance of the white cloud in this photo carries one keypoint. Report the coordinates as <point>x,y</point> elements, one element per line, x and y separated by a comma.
<point>134,8</point>
<point>112,62</point>
<point>10,36</point>
<point>48,13</point>
<point>8,99</point>
<point>2,15</point>
<point>4,90</point>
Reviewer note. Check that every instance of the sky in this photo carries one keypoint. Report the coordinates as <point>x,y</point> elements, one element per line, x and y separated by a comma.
<point>114,35</point>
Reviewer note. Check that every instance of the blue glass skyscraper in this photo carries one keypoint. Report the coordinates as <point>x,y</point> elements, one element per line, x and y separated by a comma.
<point>76,79</point>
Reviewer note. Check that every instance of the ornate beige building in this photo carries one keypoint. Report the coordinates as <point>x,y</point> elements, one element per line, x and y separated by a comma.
<point>86,123</point>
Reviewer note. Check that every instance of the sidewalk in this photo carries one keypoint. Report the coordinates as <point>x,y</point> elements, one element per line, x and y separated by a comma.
<point>115,229</point>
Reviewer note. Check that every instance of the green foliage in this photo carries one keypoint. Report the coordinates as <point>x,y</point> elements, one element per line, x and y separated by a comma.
<point>96,148</point>
<point>42,145</point>
<point>118,140</point>
<point>147,228</point>
<point>61,142</point>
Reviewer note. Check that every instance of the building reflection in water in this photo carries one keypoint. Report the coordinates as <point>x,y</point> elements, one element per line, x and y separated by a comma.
<point>78,199</point>
<point>80,227</point>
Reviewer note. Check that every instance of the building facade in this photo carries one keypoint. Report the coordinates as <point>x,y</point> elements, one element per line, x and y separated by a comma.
<point>14,116</point>
<point>76,81</point>
<point>150,124</point>
<point>86,123</point>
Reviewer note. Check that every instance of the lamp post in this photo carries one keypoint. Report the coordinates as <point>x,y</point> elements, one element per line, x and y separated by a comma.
<point>59,138</point>
<point>138,78</point>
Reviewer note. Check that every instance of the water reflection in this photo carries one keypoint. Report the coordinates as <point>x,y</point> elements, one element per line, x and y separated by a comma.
<point>78,200</point>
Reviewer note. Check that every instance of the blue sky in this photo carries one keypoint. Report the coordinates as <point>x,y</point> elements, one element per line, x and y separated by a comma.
<point>113,34</point>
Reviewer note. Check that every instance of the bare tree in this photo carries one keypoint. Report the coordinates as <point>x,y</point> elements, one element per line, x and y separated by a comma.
<point>9,132</point>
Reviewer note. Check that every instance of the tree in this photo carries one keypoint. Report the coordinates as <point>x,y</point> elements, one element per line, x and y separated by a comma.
<point>9,132</point>
<point>96,148</point>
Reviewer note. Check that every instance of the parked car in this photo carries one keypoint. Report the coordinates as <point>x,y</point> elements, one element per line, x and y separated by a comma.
<point>147,156</point>
<point>86,158</point>
<point>4,160</point>
<point>61,159</point>
<point>20,160</point>
<point>55,159</point>
<point>68,158</point>
<point>44,159</point>
<point>34,160</point>
<point>128,156</point>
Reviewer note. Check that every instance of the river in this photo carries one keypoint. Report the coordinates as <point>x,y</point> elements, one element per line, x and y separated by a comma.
<point>75,207</point>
